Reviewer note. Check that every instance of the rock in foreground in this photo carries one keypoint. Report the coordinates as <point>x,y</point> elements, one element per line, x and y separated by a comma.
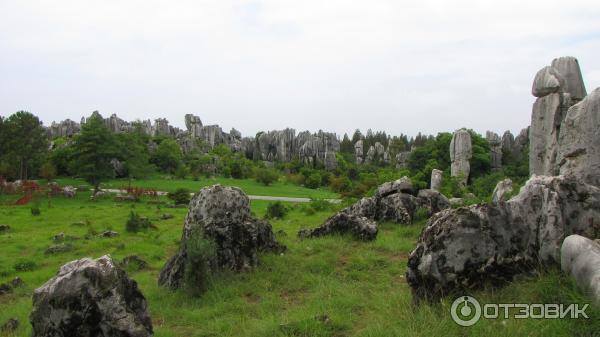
<point>360,227</point>
<point>467,247</point>
<point>219,218</point>
<point>580,258</point>
<point>90,298</point>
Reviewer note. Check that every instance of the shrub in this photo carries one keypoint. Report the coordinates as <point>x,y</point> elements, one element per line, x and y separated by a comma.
<point>196,273</point>
<point>25,266</point>
<point>266,176</point>
<point>276,210</point>
<point>313,180</point>
<point>421,214</point>
<point>135,223</point>
<point>181,196</point>
<point>340,184</point>
<point>320,205</point>
<point>35,210</point>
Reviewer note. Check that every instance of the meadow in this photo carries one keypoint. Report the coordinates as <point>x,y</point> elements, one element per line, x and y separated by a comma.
<point>331,286</point>
<point>249,186</point>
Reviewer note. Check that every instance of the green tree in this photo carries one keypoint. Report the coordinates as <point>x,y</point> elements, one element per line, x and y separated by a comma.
<point>135,155</point>
<point>168,156</point>
<point>93,150</point>
<point>25,141</point>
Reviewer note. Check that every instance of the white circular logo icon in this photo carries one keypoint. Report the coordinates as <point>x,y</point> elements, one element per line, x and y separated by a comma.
<point>465,311</point>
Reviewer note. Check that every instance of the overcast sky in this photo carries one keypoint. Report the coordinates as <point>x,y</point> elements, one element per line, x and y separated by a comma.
<point>397,66</point>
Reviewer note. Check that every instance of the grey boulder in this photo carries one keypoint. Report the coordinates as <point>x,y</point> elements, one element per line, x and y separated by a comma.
<point>580,258</point>
<point>472,246</point>
<point>360,228</point>
<point>90,298</point>
<point>220,215</point>
<point>547,81</point>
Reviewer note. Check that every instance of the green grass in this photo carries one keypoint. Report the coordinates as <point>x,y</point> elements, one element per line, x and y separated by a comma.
<point>331,286</point>
<point>250,186</point>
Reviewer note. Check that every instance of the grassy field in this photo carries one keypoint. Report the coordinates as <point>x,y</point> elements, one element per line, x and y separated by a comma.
<point>250,186</point>
<point>330,286</point>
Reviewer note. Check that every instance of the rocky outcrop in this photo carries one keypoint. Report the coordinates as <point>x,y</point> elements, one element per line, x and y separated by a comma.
<point>461,152</point>
<point>193,124</point>
<point>360,228</point>
<point>433,201</point>
<point>358,152</point>
<point>66,128</point>
<point>90,298</point>
<point>402,159</point>
<point>482,244</point>
<point>402,185</point>
<point>436,179</point>
<point>547,81</point>
<point>502,191</point>
<point>375,153</point>
<point>547,116</point>
<point>580,258</point>
<point>568,67</point>
<point>578,144</point>
<point>219,217</point>
<point>557,87</point>
<point>495,143</point>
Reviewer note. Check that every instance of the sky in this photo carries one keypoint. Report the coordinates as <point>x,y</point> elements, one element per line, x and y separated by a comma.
<point>402,67</point>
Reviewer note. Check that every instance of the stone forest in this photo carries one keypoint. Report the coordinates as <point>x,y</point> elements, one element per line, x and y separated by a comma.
<point>138,228</point>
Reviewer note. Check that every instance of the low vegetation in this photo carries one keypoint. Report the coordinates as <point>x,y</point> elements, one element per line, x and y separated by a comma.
<point>330,286</point>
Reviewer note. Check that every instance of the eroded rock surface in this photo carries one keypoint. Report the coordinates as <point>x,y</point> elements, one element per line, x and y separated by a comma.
<point>502,190</point>
<point>220,215</point>
<point>491,243</point>
<point>461,151</point>
<point>361,228</point>
<point>579,143</point>
<point>90,298</point>
<point>580,258</point>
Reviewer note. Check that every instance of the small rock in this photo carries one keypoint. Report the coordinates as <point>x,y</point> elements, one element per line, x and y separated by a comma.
<point>10,326</point>
<point>108,234</point>
<point>134,261</point>
<point>167,216</point>
<point>360,227</point>
<point>4,228</point>
<point>59,248</point>
<point>17,282</point>
<point>69,191</point>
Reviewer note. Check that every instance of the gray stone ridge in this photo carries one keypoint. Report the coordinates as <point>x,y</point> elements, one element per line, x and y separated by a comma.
<point>278,145</point>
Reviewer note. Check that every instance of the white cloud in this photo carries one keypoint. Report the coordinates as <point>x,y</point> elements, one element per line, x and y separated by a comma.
<point>398,66</point>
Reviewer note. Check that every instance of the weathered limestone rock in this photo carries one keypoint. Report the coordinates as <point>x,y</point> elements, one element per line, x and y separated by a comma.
<point>162,127</point>
<point>432,200</point>
<point>580,258</point>
<point>358,151</point>
<point>547,81</point>
<point>495,150</point>
<point>66,128</point>
<point>470,246</point>
<point>220,215</point>
<point>193,124</point>
<point>402,185</point>
<point>436,179</point>
<point>361,228</point>
<point>398,208</point>
<point>547,116</point>
<point>461,152</point>
<point>549,111</point>
<point>402,159</point>
<point>568,67</point>
<point>502,190</point>
<point>90,298</point>
<point>579,143</point>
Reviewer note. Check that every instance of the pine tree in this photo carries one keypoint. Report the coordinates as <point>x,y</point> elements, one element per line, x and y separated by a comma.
<point>93,150</point>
